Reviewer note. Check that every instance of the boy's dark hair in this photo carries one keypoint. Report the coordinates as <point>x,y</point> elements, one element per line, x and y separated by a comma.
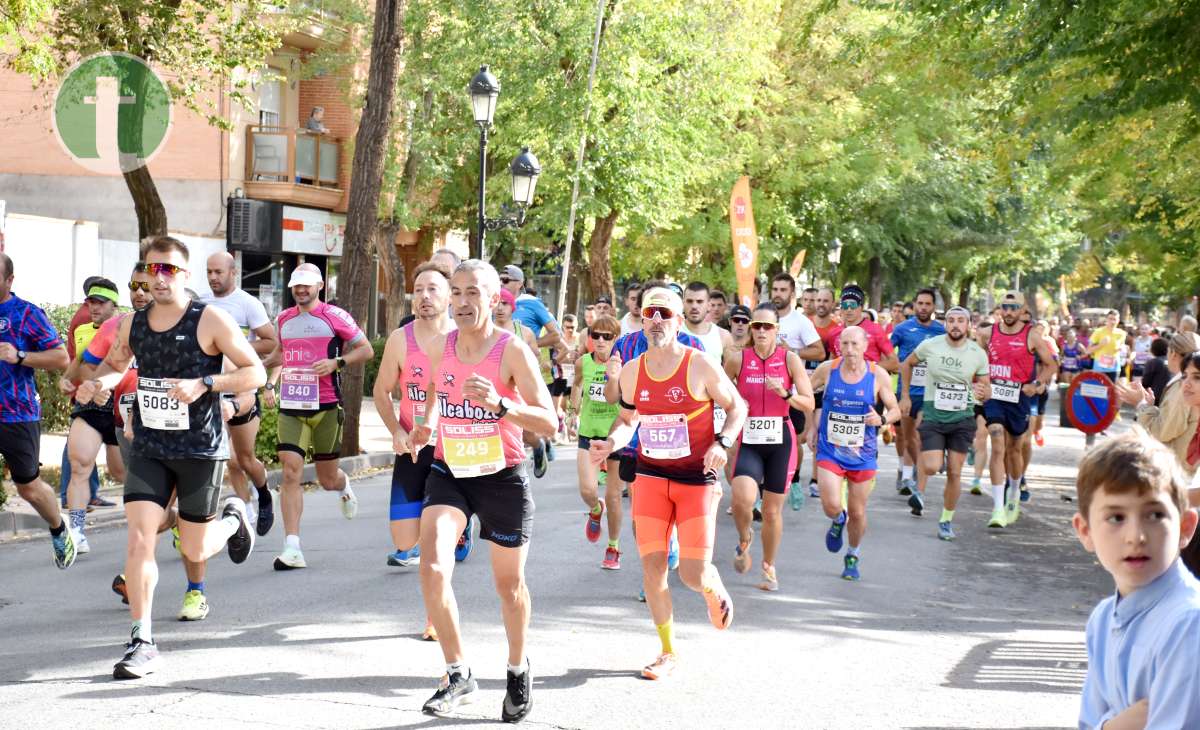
<point>1158,347</point>
<point>1132,462</point>
<point>698,286</point>
<point>164,244</point>
<point>716,294</point>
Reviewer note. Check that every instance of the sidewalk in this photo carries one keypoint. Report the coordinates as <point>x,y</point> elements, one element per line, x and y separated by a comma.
<point>18,519</point>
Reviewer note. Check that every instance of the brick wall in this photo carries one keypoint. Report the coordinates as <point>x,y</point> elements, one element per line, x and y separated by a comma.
<point>329,91</point>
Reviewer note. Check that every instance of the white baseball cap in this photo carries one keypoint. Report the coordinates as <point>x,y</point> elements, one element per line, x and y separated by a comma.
<point>305,275</point>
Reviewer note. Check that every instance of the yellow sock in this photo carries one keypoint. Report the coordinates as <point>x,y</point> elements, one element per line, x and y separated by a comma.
<point>666,634</point>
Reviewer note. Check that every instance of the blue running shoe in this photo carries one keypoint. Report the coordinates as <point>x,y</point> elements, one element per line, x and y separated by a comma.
<point>673,552</point>
<point>906,487</point>
<point>917,503</point>
<point>540,463</point>
<point>850,572</point>
<point>405,558</point>
<point>945,531</point>
<point>465,541</point>
<point>549,449</point>
<point>833,538</point>
<point>1025,495</point>
<point>642,595</point>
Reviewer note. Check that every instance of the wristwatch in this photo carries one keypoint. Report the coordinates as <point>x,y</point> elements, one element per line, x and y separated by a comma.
<point>341,363</point>
<point>1037,384</point>
<point>503,408</point>
<point>725,441</point>
<point>208,382</point>
<point>270,387</point>
<point>21,354</point>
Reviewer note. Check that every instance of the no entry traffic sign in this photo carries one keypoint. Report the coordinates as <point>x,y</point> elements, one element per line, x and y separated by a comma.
<point>1091,402</point>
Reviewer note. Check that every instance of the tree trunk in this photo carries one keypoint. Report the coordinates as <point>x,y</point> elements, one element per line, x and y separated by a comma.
<point>964,291</point>
<point>151,214</point>
<point>599,258</point>
<point>576,277</point>
<point>875,282</point>
<point>366,179</point>
<point>394,274</point>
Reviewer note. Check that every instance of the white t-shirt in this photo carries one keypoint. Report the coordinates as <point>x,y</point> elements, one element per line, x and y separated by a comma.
<point>797,330</point>
<point>630,324</point>
<point>247,312</point>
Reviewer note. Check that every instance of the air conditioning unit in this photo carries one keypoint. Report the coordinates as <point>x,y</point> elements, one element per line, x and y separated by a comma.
<point>253,225</point>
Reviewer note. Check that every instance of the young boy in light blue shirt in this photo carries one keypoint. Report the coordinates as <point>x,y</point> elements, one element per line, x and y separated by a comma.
<point>1143,643</point>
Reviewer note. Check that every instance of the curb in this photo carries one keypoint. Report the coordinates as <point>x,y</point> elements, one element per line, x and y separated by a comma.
<point>20,525</point>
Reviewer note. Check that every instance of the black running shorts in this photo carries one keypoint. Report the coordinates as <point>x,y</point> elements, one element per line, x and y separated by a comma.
<point>503,501</point>
<point>197,481</point>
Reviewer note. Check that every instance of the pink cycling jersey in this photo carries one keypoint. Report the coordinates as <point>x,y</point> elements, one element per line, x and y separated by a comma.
<point>751,382</point>
<point>320,334</point>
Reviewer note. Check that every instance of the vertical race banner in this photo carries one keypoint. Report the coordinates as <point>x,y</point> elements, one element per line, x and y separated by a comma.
<point>745,240</point>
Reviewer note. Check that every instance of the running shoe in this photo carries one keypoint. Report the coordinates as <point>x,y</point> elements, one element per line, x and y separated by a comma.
<point>642,596</point>
<point>101,502</point>
<point>141,658</point>
<point>945,531</point>
<point>175,543</point>
<point>813,490</point>
<point>770,581</point>
<point>195,606</point>
<point>591,527</point>
<point>757,514</point>
<point>976,489</point>
<point>63,547</point>
<point>660,668</point>
<point>741,556</point>
<point>602,478</point>
<point>1012,512</point>
<point>917,503</point>
<point>906,487</point>
<point>290,559</point>
<point>1037,439</point>
<point>453,690</point>
<point>612,559</point>
<point>81,544</point>
<point>850,572</point>
<point>540,463</point>
<point>266,513</point>
<point>241,542</point>
<point>970,456</point>
<point>405,558</point>
<point>549,449</point>
<point>118,587</point>
<point>998,518</point>
<point>465,541</point>
<point>349,502</point>
<point>795,496</point>
<point>729,510</point>
<point>673,552</point>
<point>720,608</point>
<point>833,537</point>
<point>518,697</point>
<point>1025,496</point>
<point>430,633</point>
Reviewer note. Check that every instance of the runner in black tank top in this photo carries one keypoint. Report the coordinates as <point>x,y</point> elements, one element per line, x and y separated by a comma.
<point>179,443</point>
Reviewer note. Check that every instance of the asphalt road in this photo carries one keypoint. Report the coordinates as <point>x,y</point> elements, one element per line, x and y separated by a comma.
<point>984,632</point>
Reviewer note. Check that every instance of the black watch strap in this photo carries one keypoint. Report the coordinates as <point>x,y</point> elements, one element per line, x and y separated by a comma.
<point>503,408</point>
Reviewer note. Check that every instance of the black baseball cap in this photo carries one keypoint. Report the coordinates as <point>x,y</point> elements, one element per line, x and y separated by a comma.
<point>740,310</point>
<point>604,298</point>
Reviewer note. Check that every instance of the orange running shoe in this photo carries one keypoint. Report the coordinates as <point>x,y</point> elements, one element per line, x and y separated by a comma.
<point>1037,438</point>
<point>720,608</point>
<point>661,668</point>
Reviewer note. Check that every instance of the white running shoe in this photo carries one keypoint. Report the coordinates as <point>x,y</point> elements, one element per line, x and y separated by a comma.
<point>290,559</point>
<point>81,544</point>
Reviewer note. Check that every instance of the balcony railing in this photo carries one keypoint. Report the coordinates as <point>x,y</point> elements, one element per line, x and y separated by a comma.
<point>293,166</point>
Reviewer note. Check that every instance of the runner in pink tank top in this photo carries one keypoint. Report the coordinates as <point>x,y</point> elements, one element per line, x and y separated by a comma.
<point>489,389</point>
<point>772,381</point>
<point>406,368</point>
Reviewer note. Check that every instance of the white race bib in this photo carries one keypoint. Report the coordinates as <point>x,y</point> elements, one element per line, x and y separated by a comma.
<point>568,372</point>
<point>125,406</point>
<point>1006,391</point>
<point>158,410</point>
<point>846,430</point>
<point>764,430</point>
<point>918,376</point>
<point>951,396</point>
<point>596,393</point>
<point>719,416</point>
<point>472,449</point>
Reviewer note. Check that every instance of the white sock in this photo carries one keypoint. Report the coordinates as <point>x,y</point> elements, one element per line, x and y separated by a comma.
<point>906,471</point>
<point>346,491</point>
<point>459,667</point>
<point>520,668</point>
<point>997,496</point>
<point>292,541</point>
<point>141,630</point>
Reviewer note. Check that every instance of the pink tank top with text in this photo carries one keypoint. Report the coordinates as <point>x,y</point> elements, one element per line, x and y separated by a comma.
<point>1009,357</point>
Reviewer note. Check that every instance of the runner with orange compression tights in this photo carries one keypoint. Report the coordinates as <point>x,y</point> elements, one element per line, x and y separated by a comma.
<point>669,393</point>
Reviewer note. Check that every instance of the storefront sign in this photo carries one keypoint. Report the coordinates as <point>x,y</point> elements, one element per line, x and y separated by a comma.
<point>310,231</point>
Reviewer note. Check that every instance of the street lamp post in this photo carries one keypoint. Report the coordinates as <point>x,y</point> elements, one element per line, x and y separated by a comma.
<point>484,90</point>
